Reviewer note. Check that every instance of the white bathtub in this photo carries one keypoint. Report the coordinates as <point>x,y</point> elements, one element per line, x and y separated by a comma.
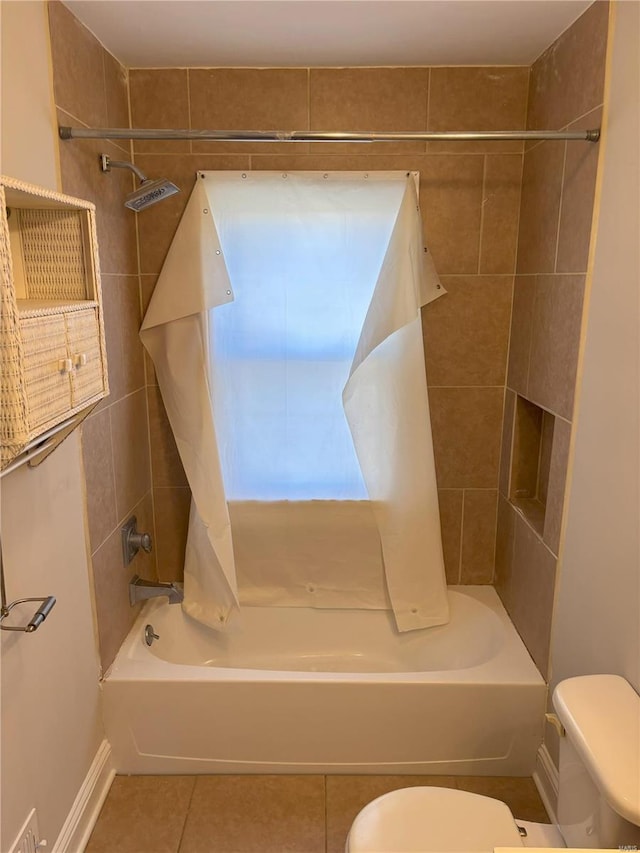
<point>293,690</point>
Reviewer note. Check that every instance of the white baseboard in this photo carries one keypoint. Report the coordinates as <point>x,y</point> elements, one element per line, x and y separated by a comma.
<point>546,778</point>
<point>80,821</point>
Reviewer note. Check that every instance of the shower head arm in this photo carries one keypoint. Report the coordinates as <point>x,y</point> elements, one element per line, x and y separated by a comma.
<point>107,164</point>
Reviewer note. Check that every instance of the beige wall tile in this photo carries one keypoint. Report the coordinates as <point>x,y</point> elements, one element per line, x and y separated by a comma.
<point>116,81</point>
<point>115,616</point>
<point>507,442</point>
<point>78,68</point>
<point>540,207</point>
<point>122,323</point>
<point>578,191</point>
<point>524,296</point>
<point>466,424</point>
<point>531,594</point>
<point>505,540</point>
<point>111,579</point>
<point>478,99</point>
<point>326,162</point>
<point>147,286</point>
<point>145,564</point>
<point>501,210</point>
<point>347,795</point>
<point>546,443</point>
<point>248,99</point>
<point>478,536</point>
<point>567,80</point>
<point>143,813</point>
<point>130,450</point>
<point>555,340</point>
<point>158,224</point>
<point>249,813</point>
<point>450,501</point>
<point>466,331</point>
<point>159,98</point>
<point>557,483</point>
<point>82,177</point>
<point>369,99</point>
<point>172,523</point>
<point>526,450</point>
<point>165,459</point>
<point>97,454</point>
<point>451,203</point>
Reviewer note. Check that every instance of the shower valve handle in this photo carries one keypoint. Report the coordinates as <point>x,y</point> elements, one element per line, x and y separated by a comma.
<point>141,540</point>
<point>133,541</point>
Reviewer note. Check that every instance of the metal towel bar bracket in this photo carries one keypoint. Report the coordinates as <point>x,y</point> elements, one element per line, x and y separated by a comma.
<point>36,620</point>
<point>47,603</point>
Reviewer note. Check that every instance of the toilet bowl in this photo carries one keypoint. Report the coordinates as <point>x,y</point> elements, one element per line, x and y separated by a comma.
<point>598,792</point>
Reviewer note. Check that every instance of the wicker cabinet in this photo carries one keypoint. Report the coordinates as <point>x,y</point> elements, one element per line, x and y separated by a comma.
<point>52,349</point>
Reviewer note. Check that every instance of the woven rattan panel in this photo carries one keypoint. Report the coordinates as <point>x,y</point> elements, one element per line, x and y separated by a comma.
<point>52,243</point>
<point>87,379</point>
<point>44,341</point>
<point>13,411</point>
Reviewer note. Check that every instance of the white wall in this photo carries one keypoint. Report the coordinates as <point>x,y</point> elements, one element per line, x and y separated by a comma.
<point>29,150</point>
<point>51,722</point>
<point>597,615</point>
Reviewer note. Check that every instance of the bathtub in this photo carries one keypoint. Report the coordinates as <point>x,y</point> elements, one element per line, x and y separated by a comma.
<point>296,690</point>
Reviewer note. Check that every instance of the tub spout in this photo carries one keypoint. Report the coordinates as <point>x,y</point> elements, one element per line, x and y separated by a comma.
<point>140,590</point>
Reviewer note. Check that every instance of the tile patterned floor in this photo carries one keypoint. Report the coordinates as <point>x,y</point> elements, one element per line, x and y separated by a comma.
<point>264,814</point>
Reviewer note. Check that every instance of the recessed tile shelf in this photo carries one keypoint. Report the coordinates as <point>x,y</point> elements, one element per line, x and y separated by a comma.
<point>531,461</point>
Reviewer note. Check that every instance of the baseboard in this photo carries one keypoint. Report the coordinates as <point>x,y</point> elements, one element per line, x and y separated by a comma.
<point>80,821</point>
<point>546,778</point>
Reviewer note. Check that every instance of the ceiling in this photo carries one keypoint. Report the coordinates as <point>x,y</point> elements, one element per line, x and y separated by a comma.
<point>285,33</point>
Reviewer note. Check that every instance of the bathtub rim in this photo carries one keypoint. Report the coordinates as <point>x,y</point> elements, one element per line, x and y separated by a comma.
<point>511,665</point>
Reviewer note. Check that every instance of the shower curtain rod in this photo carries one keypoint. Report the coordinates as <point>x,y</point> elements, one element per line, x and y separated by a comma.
<point>320,136</point>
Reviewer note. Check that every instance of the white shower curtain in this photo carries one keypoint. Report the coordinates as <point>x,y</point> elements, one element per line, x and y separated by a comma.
<point>346,533</point>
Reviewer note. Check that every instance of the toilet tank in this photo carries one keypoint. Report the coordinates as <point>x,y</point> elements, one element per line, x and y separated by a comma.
<point>599,781</point>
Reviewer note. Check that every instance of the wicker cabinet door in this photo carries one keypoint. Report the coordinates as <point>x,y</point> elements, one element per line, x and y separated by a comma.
<point>83,340</point>
<point>46,369</point>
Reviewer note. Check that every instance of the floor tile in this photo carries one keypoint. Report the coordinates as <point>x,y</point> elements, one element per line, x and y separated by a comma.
<point>143,814</point>
<point>519,793</point>
<point>266,814</point>
<point>347,795</point>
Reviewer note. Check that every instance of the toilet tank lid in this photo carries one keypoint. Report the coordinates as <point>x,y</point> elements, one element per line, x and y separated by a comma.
<point>601,715</point>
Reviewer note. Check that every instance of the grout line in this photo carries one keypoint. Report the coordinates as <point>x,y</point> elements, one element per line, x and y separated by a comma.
<point>186,814</point>
<point>483,200</point>
<point>495,539</point>
<point>326,816</point>
<point>564,166</point>
<point>533,317</point>
<point>426,144</point>
<point>460,387</point>
<point>189,108</point>
<point>461,536</point>
<point>518,216</point>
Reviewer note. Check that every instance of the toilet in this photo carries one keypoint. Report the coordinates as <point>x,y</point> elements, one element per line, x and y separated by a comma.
<point>598,789</point>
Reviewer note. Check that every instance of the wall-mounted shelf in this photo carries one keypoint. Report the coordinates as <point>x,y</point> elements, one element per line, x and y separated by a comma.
<point>530,461</point>
<point>52,344</point>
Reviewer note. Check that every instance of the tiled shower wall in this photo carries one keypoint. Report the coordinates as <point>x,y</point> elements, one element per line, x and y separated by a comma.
<point>91,88</point>
<point>470,198</point>
<point>565,91</point>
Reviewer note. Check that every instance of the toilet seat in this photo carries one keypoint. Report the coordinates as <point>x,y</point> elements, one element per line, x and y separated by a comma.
<point>416,820</point>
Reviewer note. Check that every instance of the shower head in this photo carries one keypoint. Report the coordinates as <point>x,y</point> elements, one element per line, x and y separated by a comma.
<point>148,193</point>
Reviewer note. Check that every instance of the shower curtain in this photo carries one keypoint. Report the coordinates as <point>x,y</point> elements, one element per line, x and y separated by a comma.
<point>375,540</point>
